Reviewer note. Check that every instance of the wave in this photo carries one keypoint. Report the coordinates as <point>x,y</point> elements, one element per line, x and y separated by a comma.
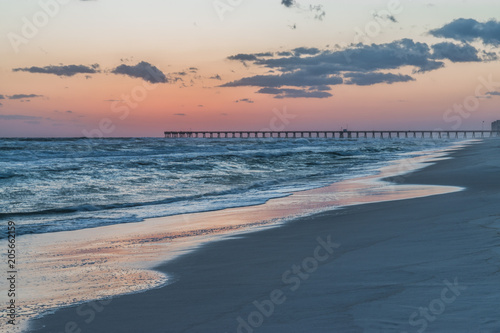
<point>62,184</point>
<point>8,175</point>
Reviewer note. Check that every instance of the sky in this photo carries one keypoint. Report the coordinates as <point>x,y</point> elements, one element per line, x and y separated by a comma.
<point>125,68</point>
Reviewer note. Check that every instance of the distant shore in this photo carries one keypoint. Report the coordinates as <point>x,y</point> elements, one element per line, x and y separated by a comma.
<point>430,263</point>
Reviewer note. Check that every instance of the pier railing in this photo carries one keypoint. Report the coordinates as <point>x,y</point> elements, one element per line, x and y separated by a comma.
<point>334,134</point>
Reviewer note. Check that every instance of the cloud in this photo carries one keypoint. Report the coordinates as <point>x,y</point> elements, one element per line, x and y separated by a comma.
<point>305,50</point>
<point>469,30</point>
<point>244,100</point>
<point>368,79</point>
<point>180,114</point>
<point>386,17</point>
<point>493,93</point>
<point>294,93</point>
<point>360,64</point>
<point>2,97</point>
<point>215,77</point>
<point>297,79</point>
<point>18,117</point>
<point>243,57</point>
<point>455,52</point>
<point>23,96</point>
<point>1,104</point>
<point>142,70</point>
<point>62,70</point>
<point>318,11</point>
<point>362,57</point>
<point>264,54</point>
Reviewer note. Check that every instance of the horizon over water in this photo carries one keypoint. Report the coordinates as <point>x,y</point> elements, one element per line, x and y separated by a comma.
<point>61,184</point>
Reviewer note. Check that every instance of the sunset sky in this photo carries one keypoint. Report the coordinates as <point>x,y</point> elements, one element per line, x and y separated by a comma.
<point>138,68</point>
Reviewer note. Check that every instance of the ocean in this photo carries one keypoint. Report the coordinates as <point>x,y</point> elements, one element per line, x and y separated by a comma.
<point>51,185</point>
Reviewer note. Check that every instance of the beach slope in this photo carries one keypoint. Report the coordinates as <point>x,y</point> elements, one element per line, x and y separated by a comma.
<point>430,263</point>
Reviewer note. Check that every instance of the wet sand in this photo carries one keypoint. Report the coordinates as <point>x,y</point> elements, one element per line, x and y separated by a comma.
<point>430,263</point>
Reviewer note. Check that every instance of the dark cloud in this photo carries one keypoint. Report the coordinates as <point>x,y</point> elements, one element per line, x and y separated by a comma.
<point>244,100</point>
<point>180,114</point>
<point>493,93</point>
<point>318,11</point>
<point>488,56</point>
<point>2,97</point>
<point>455,53</point>
<point>294,93</point>
<point>264,54</point>
<point>142,70</point>
<point>69,111</point>
<point>362,57</point>
<point>297,79</point>
<point>386,17</point>
<point>368,79</point>
<point>315,70</point>
<point>62,70</point>
<point>320,88</point>
<point>243,57</point>
<point>469,30</point>
<point>23,96</point>
<point>216,77</point>
<point>305,50</point>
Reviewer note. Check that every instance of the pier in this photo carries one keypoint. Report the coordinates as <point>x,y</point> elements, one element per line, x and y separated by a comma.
<point>345,134</point>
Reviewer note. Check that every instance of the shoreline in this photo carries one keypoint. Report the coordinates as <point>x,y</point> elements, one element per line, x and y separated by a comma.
<point>241,228</point>
<point>210,274</point>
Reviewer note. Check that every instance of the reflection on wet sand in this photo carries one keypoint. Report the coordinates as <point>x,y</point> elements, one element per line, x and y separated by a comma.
<point>69,267</point>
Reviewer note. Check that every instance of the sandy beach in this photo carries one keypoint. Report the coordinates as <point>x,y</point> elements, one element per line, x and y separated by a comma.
<point>425,264</point>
